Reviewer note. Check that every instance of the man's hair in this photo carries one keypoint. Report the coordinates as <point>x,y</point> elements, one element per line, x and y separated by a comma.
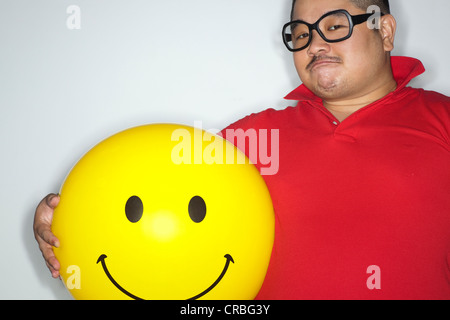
<point>362,4</point>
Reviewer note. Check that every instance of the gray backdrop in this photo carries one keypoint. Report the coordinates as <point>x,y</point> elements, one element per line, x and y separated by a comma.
<point>63,89</point>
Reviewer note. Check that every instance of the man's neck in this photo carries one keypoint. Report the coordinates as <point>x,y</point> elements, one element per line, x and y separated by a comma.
<point>343,108</point>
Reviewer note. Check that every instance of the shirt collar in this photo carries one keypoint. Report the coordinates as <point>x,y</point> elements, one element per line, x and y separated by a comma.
<point>404,70</point>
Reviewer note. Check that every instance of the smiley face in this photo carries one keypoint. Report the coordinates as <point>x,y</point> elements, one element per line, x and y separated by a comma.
<point>134,210</point>
<point>140,225</point>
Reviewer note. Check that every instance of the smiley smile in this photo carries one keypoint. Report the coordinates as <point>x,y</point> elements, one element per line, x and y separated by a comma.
<point>118,286</point>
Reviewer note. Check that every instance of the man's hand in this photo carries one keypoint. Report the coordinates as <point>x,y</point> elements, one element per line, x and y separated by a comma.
<point>43,232</point>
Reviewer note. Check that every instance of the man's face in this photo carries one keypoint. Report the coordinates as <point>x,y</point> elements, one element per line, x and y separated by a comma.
<point>343,70</point>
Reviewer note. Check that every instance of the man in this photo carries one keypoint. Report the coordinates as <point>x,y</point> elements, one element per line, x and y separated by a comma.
<point>362,193</point>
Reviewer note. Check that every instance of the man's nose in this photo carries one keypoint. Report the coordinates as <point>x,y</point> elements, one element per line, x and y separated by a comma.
<point>317,44</point>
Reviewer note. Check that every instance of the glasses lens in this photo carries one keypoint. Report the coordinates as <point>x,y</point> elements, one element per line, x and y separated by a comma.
<point>335,27</point>
<point>296,35</point>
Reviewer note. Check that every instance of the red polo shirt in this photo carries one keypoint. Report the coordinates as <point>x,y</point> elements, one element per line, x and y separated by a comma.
<point>363,206</point>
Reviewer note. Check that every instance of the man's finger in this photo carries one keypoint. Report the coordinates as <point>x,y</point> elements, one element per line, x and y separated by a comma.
<point>49,237</point>
<point>49,256</point>
<point>52,200</point>
<point>55,273</point>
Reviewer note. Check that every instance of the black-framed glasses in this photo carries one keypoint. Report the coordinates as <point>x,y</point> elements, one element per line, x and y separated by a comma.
<point>334,26</point>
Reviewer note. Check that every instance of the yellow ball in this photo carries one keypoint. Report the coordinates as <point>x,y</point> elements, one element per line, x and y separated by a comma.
<point>164,211</point>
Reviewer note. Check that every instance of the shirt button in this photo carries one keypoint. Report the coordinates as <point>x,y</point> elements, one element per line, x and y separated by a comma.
<point>335,123</point>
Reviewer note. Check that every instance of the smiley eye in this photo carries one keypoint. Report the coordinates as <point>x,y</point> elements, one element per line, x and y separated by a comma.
<point>134,209</point>
<point>197,209</point>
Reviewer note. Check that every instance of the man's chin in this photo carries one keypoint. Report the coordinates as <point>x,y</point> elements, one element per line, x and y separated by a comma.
<point>326,85</point>
<point>326,88</point>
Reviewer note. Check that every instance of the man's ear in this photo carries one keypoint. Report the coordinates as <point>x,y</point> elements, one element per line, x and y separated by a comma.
<point>388,26</point>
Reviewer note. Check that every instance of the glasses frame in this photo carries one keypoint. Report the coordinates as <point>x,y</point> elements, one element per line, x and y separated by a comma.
<point>353,19</point>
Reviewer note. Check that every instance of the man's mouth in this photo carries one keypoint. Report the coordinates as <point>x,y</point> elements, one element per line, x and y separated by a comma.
<point>118,286</point>
<point>322,60</point>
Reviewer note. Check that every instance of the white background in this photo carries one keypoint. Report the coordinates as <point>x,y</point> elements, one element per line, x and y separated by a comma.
<point>135,62</point>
